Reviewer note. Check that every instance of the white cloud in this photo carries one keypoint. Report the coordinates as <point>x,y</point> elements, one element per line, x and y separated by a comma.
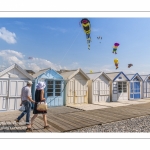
<point>9,57</point>
<point>7,36</point>
<point>8,53</point>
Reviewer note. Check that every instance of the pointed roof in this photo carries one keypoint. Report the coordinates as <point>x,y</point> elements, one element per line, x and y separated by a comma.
<point>93,76</point>
<point>39,73</point>
<point>69,74</point>
<point>114,75</point>
<point>17,67</point>
<point>145,77</point>
<point>132,76</point>
<point>43,73</point>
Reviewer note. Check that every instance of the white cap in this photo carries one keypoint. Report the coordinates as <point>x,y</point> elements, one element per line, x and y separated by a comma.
<point>29,82</point>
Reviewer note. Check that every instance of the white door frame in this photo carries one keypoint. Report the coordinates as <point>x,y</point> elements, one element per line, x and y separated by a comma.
<point>122,89</point>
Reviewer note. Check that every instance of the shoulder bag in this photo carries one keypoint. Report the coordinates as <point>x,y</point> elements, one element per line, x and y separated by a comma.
<point>42,106</point>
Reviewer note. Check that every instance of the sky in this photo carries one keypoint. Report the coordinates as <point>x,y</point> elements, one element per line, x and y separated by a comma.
<point>60,43</point>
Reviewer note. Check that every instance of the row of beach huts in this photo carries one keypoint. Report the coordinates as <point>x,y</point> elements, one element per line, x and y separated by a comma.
<point>67,87</point>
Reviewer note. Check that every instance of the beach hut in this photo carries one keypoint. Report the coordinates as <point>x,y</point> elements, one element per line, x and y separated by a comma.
<point>12,79</point>
<point>119,86</point>
<point>99,87</point>
<point>54,92</point>
<point>135,86</point>
<point>76,86</point>
<point>146,86</point>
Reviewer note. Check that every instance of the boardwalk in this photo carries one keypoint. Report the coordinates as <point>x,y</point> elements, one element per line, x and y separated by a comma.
<point>63,119</point>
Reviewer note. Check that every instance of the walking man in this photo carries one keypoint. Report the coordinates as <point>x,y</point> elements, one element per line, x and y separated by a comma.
<point>26,100</point>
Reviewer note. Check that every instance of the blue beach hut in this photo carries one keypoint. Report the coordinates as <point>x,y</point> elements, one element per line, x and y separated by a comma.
<point>135,86</point>
<point>54,92</point>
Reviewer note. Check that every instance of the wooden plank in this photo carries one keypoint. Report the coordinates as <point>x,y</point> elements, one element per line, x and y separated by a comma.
<point>117,115</point>
<point>78,124</point>
<point>82,120</point>
<point>6,127</point>
<point>54,124</point>
<point>11,126</point>
<point>61,109</point>
<point>51,129</point>
<point>105,115</point>
<point>135,111</point>
<point>16,127</point>
<point>67,121</point>
<point>90,116</point>
<point>124,112</point>
<point>38,126</point>
<point>20,128</point>
<point>1,127</point>
<point>39,122</point>
<point>62,121</point>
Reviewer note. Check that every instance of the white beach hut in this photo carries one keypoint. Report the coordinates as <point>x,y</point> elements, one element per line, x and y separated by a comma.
<point>146,86</point>
<point>12,79</point>
<point>99,87</point>
<point>119,86</point>
<point>76,86</point>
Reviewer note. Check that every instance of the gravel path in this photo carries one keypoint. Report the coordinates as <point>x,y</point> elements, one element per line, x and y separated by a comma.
<point>139,124</point>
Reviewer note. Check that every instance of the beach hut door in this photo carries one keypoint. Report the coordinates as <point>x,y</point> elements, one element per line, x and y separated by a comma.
<point>3,94</point>
<point>81,91</point>
<point>14,96</point>
<point>148,89</point>
<point>135,90</point>
<point>70,92</point>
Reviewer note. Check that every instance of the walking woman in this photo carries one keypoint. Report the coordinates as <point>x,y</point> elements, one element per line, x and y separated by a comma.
<point>39,97</point>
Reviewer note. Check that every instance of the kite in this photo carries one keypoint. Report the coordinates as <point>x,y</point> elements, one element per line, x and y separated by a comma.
<point>91,71</point>
<point>116,62</point>
<point>30,57</point>
<point>99,38</point>
<point>87,29</point>
<point>129,65</point>
<point>115,48</point>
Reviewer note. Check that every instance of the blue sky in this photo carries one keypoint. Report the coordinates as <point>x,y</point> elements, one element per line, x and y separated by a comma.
<point>61,43</point>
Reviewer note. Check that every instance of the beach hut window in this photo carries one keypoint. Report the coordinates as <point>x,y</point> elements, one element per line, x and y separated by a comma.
<point>57,88</point>
<point>119,87</point>
<point>122,87</point>
<point>115,88</point>
<point>50,88</point>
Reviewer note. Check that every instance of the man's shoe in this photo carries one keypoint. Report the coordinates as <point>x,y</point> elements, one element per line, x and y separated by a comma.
<point>16,120</point>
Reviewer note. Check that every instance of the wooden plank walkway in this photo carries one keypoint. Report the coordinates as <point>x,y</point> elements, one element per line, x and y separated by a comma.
<point>63,119</point>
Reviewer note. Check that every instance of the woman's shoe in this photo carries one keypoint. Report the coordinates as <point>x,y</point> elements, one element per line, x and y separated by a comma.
<point>28,130</point>
<point>46,127</point>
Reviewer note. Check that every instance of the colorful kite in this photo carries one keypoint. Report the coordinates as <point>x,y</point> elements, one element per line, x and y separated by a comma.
<point>129,65</point>
<point>116,62</point>
<point>87,29</point>
<point>115,48</point>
